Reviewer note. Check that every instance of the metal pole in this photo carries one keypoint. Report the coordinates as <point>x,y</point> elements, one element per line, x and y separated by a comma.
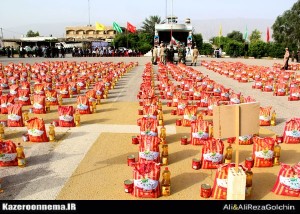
<point>172,22</point>
<point>166,8</point>
<point>89,13</point>
<point>1,33</point>
<point>127,38</point>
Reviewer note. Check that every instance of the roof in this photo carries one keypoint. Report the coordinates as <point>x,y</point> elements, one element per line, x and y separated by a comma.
<point>37,39</point>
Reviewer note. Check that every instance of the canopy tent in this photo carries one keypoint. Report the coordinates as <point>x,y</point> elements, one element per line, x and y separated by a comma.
<point>38,39</point>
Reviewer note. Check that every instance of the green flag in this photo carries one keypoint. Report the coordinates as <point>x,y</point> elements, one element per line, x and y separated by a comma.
<point>246,34</point>
<point>117,27</point>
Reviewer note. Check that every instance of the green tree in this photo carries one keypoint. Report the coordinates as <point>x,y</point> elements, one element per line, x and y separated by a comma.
<point>30,33</point>
<point>207,49</point>
<point>286,27</point>
<point>145,37</point>
<point>149,24</point>
<point>132,40</point>
<point>144,48</point>
<point>198,40</point>
<point>139,41</point>
<point>255,36</point>
<point>234,48</point>
<point>120,40</point>
<point>275,49</point>
<point>236,35</point>
<point>226,43</point>
<point>278,29</point>
<point>258,49</point>
<point>145,41</point>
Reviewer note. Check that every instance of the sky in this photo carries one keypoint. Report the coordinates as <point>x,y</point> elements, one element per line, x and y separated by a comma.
<point>52,16</point>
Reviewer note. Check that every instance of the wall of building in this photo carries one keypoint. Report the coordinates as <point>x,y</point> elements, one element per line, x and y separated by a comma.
<point>11,44</point>
<point>90,32</point>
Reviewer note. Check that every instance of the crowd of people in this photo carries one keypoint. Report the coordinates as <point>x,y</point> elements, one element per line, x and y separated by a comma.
<point>34,51</point>
<point>167,53</point>
<point>9,51</point>
<point>105,52</point>
<point>60,52</point>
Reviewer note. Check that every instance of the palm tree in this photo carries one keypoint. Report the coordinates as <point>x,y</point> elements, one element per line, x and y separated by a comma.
<point>149,24</point>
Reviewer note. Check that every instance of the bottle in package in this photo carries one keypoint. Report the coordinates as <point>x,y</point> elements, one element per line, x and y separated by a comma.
<point>21,155</point>
<point>166,182</point>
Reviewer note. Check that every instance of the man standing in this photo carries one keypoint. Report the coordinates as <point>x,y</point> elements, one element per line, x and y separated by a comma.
<point>154,55</point>
<point>170,54</point>
<point>12,51</point>
<point>195,54</point>
<point>162,54</point>
<point>8,50</point>
<point>286,59</point>
<point>181,54</point>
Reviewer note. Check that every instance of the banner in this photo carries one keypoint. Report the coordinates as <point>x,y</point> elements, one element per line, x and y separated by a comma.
<point>268,35</point>
<point>99,26</point>
<point>246,34</point>
<point>117,27</point>
<point>174,41</point>
<point>131,28</point>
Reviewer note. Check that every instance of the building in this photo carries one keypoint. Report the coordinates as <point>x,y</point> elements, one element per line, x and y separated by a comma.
<point>89,33</point>
<point>172,31</point>
<point>30,41</point>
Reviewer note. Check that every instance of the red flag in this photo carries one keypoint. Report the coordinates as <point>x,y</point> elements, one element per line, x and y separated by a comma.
<point>268,35</point>
<point>131,28</point>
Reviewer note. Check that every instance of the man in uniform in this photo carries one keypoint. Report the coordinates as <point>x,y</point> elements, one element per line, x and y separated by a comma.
<point>170,54</point>
<point>154,55</point>
<point>195,54</point>
<point>181,54</point>
<point>286,59</point>
<point>162,53</point>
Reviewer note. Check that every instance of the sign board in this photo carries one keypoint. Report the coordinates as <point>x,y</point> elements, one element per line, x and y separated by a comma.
<point>99,44</point>
<point>236,120</point>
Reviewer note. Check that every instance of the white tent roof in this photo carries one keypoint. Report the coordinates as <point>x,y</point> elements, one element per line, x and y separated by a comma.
<point>37,39</point>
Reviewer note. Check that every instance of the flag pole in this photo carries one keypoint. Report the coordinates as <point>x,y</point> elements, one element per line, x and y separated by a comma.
<point>89,13</point>
<point>127,37</point>
<point>166,8</point>
<point>172,23</point>
<point>220,34</point>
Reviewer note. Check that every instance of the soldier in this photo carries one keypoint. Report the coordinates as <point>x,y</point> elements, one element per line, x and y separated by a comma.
<point>184,54</point>
<point>195,54</point>
<point>154,55</point>
<point>180,54</point>
<point>170,54</point>
<point>162,54</point>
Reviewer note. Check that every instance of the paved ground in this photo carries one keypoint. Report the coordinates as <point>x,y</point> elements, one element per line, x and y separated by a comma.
<point>89,162</point>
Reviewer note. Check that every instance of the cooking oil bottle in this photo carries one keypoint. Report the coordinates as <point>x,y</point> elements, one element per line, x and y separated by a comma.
<point>249,177</point>
<point>273,119</point>
<point>166,182</point>
<point>51,133</point>
<point>164,155</point>
<point>21,155</point>
<point>1,131</point>
<point>163,134</point>
<point>228,154</point>
<point>277,151</point>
